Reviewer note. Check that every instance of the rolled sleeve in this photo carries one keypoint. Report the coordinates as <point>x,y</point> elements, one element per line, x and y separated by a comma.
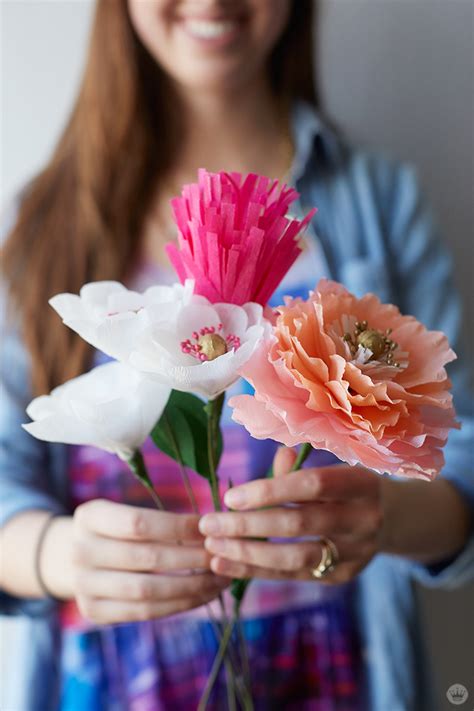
<point>27,465</point>
<point>424,277</point>
<point>29,469</point>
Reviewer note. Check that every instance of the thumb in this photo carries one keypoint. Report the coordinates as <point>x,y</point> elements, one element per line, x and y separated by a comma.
<point>283,460</point>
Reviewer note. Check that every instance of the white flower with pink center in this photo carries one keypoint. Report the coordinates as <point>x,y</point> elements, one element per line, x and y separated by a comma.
<point>202,348</point>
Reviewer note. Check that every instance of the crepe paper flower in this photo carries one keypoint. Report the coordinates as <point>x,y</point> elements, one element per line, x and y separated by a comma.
<point>111,317</point>
<point>111,407</point>
<point>354,377</point>
<point>234,236</point>
<point>203,348</point>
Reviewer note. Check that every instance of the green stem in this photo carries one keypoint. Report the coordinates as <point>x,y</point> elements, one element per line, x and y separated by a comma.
<point>138,468</point>
<point>303,454</point>
<point>230,689</point>
<point>235,682</point>
<point>216,666</point>
<point>248,701</point>
<point>214,411</point>
<point>245,664</point>
<point>246,697</point>
<point>232,685</point>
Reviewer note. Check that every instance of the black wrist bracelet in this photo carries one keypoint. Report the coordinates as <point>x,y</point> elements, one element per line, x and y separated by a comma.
<point>39,548</point>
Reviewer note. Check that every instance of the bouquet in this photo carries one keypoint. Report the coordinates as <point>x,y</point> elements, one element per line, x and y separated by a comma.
<point>351,376</point>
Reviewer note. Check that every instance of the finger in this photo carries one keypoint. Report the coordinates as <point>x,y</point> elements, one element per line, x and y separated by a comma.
<point>325,519</point>
<point>114,611</point>
<point>283,461</point>
<point>122,521</point>
<point>111,554</point>
<point>337,482</point>
<point>114,585</point>
<point>291,557</point>
<point>342,573</point>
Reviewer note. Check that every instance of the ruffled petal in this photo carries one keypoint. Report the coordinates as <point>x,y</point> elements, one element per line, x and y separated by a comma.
<point>314,379</point>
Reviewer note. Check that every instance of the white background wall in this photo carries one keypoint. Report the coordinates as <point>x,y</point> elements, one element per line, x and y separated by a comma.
<point>396,74</point>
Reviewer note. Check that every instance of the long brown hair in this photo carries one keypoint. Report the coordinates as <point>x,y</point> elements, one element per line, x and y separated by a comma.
<point>79,218</point>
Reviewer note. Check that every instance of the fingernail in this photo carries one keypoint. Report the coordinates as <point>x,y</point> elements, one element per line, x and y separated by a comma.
<point>209,525</point>
<point>235,499</point>
<point>215,545</point>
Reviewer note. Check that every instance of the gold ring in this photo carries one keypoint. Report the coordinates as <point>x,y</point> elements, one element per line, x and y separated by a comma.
<point>329,559</point>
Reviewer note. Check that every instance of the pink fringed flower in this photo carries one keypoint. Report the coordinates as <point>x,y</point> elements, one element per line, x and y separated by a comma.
<point>355,377</point>
<point>235,239</point>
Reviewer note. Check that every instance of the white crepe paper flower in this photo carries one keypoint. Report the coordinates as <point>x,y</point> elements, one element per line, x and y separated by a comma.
<point>111,317</point>
<point>112,407</point>
<point>201,350</point>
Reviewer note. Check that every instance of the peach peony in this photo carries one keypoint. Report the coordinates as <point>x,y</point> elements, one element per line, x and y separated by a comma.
<point>354,377</point>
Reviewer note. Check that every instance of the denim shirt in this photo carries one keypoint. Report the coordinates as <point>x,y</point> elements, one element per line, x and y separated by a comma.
<point>376,235</point>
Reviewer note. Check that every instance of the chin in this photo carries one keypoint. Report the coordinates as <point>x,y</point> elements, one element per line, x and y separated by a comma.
<point>215,79</point>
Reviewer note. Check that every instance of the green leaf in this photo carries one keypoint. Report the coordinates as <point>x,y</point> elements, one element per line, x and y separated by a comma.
<point>181,432</point>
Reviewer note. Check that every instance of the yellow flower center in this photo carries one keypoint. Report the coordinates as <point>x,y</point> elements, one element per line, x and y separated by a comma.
<point>377,342</point>
<point>374,341</point>
<point>212,345</point>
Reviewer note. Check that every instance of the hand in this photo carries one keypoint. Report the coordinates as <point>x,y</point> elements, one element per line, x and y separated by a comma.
<point>126,559</point>
<point>341,502</point>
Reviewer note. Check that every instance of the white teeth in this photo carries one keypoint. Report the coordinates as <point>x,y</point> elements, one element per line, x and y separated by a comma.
<point>210,29</point>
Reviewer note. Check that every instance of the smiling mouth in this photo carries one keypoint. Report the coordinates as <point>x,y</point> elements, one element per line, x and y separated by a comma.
<point>211,29</point>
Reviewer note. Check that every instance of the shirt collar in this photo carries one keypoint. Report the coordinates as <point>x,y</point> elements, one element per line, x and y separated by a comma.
<point>306,127</point>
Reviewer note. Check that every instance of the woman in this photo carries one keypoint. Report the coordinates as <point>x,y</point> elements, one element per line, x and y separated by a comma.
<point>170,87</point>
